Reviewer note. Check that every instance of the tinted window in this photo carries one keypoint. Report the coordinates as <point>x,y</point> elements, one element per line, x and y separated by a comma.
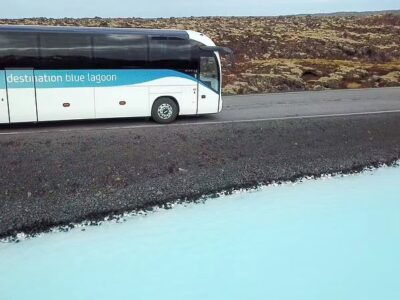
<point>164,49</point>
<point>173,53</point>
<point>18,50</point>
<point>66,51</point>
<point>119,51</point>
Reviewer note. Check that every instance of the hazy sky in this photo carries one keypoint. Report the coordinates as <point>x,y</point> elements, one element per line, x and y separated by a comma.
<point>179,8</point>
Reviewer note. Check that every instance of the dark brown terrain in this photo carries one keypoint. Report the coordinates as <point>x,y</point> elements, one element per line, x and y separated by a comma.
<point>291,53</point>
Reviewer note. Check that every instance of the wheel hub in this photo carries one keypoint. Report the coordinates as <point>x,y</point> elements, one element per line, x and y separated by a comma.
<point>165,111</point>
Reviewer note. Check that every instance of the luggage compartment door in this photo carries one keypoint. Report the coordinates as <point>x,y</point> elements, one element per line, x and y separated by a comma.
<point>21,95</point>
<point>4,118</point>
<point>122,102</point>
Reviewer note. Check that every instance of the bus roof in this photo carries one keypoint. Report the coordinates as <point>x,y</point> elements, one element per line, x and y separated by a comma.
<point>95,30</point>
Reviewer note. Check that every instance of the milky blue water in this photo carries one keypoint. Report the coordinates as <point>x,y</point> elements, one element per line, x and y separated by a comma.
<point>321,239</point>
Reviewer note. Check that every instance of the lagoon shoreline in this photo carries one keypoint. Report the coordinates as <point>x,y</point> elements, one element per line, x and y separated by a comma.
<point>57,178</point>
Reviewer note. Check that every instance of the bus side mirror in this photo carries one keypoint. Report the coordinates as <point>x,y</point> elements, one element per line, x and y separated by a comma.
<point>229,52</point>
<point>222,51</point>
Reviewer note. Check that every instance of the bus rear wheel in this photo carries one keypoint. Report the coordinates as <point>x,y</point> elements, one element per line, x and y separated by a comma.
<point>165,110</point>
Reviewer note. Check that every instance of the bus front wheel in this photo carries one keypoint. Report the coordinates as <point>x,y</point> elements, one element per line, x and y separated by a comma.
<point>165,110</point>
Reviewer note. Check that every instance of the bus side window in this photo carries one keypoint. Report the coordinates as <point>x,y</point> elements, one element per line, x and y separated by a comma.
<point>18,50</point>
<point>173,53</point>
<point>167,49</point>
<point>65,51</point>
<point>120,50</point>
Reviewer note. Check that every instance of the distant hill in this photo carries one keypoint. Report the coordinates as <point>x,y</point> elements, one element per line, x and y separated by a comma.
<point>351,13</point>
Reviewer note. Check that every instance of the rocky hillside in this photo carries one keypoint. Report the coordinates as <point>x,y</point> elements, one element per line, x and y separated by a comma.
<point>288,53</point>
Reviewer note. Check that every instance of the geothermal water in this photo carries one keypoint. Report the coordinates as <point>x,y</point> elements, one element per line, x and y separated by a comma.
<point>336,238</point>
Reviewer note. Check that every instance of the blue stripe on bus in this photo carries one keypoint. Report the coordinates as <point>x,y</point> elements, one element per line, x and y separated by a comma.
<point>2,80</point>
<point>85,78</point>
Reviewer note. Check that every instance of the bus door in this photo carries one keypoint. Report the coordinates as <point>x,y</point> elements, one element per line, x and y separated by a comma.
<point>209,84</point>
<point>21,95</point>
<point>189,94</point>
<point>4,118</point>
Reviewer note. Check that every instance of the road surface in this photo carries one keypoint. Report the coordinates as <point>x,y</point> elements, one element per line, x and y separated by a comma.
<point>250,108</point>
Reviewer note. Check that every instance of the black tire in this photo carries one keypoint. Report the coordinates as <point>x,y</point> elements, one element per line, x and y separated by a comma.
<point>164,110</point>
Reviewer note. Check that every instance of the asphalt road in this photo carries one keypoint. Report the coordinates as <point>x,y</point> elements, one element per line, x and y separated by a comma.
<point>306,104</point>
<point>249,108</point>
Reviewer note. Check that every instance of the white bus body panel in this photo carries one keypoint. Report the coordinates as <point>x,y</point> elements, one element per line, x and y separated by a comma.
<point>65,104</point>
<point>89,94</point>
<point>209,104</point>
<point>188,105</point>
<point>119,102</point>
<point>21,101</point>
<point>4,118</point>
<point>200,37</point>
<point>22,105</point>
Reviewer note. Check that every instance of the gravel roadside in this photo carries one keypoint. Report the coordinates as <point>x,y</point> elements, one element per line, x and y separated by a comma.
<point>55,178</point>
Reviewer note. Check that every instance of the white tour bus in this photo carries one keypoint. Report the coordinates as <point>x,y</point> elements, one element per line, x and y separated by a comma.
<point>69,73</point>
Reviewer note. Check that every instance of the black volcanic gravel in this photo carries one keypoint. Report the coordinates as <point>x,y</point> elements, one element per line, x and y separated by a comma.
<point>55,178</point>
